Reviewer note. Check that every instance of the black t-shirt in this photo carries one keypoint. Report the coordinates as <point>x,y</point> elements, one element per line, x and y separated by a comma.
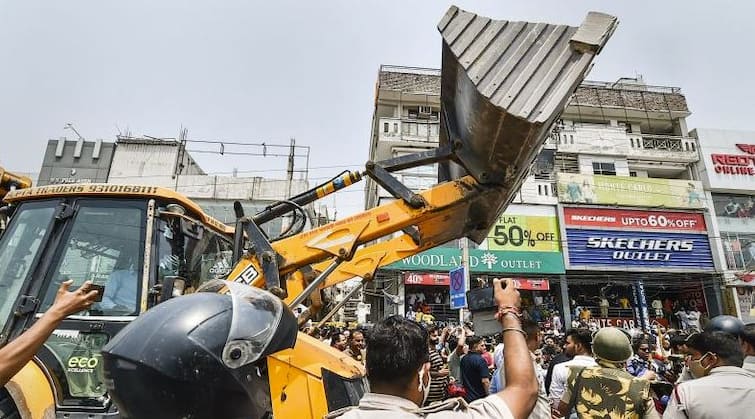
<point>473,370</point>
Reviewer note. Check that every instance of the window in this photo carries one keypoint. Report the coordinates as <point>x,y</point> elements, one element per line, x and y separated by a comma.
<point>395,127</point>
<point>425,110</point>
<point>385,127</point>
<point>104,246</point>
<point>632,174</point>
<point>18,250</point>
<point>601,168</point>
<point>194,259</point>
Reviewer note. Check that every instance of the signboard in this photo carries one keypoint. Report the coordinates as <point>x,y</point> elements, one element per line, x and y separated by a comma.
<point>634,239</point>
<point>516,230</point>
<point>458,288</point>
<point>727,161</point>
<point>630,191</point>
<point>443,259</point>
<point>413,278</point>
<point>588,248</point>
<point>693,297</point>
<point>622,322</point>
<point>532,284</point>
<point>633,219</point>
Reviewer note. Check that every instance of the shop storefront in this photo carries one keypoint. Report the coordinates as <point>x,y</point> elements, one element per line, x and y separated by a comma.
<point>632,267</point>
<point>524,244</point>
<point>727,169</point>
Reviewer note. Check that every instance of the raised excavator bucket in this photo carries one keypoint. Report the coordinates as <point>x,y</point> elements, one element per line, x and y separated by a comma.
<point>503,84</point>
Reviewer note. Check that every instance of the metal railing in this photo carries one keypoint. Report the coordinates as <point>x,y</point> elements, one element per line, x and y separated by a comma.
<point>409,129</point>
<point>671,143</point>
<point>630,86</point>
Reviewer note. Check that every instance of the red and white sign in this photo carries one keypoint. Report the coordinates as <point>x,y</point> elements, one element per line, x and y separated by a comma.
<point>735,164</point>
<point>622,322</point>
<point>412,278</point>
<point>532,284</point>
<point>634,219</point>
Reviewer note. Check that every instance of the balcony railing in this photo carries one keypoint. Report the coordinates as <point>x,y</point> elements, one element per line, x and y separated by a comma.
<point>397,129</point>
<point>668,143</point>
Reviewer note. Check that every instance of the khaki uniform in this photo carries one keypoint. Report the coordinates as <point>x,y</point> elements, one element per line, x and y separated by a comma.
<point>728,392</point>
<point>382,406</point>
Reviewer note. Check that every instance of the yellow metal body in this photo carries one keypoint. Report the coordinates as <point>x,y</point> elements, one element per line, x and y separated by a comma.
<point>32,393</point>
<point>9,181</point>
<point>296,386</point>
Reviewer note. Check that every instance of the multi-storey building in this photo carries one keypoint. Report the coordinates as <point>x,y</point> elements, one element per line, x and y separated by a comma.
<point>635,220</point>
<point>727,169</point>
<point>619,158</point>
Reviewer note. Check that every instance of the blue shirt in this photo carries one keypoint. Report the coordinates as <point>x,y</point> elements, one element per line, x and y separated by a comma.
<point>120,291</point>
<point>473,370</point>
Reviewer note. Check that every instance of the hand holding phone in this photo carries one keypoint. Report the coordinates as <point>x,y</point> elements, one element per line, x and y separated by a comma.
<point>99,288</point>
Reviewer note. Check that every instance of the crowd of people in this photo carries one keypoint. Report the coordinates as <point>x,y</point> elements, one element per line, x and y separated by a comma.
<point>528,370</point>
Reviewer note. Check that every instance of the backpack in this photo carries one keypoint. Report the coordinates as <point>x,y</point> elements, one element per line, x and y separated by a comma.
<point>607,392</point>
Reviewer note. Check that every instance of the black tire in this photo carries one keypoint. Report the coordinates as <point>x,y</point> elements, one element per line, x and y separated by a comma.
<point>8,408</point>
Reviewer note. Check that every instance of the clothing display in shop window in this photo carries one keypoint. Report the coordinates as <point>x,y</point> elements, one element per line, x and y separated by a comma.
<point>604,307</point>
<point>624,302</point>
<point>658,307</point>
<point>693,320</point>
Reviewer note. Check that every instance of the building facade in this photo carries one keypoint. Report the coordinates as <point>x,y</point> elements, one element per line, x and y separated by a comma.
<point>619,160</point>
<point>75,161</point>
<point>727,170</point>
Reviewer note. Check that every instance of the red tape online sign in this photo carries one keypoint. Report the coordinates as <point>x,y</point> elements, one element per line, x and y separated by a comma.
<point>634,219</point>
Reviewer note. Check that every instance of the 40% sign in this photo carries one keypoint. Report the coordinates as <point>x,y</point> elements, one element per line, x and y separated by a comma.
<point>517,236</point>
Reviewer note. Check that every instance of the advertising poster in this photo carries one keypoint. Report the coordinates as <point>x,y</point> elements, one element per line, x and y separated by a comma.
<point>520,232</point>
<point>609,239</point>
<point>629,191</point>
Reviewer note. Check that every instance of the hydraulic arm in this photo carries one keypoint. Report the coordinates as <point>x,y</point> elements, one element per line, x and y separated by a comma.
<point>502,86</point>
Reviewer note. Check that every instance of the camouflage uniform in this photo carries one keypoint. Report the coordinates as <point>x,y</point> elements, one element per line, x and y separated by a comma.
<point>608,392</point>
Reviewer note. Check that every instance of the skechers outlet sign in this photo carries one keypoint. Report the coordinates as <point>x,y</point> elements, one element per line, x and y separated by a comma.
<point>627,239</point>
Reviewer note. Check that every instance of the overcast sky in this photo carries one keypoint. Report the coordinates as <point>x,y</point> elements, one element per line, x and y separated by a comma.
<point>270,71</point>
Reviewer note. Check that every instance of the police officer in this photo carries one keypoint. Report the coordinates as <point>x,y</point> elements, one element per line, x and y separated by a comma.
<point>610,387</point>
<point>721,388</point>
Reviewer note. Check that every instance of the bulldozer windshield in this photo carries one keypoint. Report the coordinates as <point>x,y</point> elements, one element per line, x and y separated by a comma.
<point>19,251</point>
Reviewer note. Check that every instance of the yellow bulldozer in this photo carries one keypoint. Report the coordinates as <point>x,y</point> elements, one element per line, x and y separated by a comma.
<point>9,182</point>
<point>156,347</point>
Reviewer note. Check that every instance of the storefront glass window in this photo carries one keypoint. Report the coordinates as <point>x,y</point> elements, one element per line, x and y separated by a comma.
<point>734,206</point>
<point>739,249</point>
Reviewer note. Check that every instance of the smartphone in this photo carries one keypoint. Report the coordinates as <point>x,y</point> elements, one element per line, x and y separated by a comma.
<point>100,291</point>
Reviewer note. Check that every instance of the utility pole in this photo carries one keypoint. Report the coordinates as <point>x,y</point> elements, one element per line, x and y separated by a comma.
<point>290,171</point>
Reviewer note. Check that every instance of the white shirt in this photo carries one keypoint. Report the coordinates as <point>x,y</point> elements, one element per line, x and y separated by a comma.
<point>561,373</point>
<point>542,409</point>
<point>382,406</point>
<point>727,392</point>
<point>693,320</point>
<point>749,364</point>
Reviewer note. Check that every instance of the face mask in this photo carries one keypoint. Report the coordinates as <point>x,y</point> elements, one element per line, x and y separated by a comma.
<point>424,389</point>
<point>696,367</point>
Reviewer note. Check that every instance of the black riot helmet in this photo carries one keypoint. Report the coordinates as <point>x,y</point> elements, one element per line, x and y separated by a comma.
<point>727,324</point>
<point>200,356</point>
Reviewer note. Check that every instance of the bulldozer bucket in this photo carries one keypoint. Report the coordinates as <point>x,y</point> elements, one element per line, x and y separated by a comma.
<point>503,84</point>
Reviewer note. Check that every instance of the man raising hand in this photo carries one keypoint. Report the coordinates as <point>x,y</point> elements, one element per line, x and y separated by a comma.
<point>18,352</point>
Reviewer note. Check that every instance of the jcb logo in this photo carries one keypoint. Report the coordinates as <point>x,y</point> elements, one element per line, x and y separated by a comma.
<point>82,362</point>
